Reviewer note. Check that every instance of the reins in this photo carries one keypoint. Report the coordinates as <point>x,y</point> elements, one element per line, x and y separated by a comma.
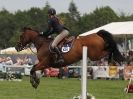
<point>29,46</point>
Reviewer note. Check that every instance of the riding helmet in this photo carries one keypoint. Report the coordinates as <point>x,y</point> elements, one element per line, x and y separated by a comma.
<point>51,11</point>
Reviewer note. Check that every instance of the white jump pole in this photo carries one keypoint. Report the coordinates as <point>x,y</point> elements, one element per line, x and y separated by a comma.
<point>84,74</point>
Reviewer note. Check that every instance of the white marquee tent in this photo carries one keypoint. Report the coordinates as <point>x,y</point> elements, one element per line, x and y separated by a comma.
<point>121,30</point>
<point>116,28</point>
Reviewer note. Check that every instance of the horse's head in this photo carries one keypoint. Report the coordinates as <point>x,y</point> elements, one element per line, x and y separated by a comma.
<point>25,38</point>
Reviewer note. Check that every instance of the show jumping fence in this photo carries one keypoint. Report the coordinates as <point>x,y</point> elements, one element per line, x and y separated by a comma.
<point>84,93</point>
<point>84,74</point>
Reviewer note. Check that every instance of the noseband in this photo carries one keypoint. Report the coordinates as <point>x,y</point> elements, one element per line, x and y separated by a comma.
<point>20,46</point>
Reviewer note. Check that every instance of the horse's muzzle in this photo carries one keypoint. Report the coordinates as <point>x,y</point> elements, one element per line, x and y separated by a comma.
<point>18,47</point>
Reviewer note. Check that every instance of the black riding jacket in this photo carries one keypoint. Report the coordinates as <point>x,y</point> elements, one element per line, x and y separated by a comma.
<point>54,26</point>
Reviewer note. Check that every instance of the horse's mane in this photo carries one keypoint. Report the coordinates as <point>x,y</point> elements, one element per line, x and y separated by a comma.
<point>45,38</point>
<point>40,35</point>
<point>29,28</point>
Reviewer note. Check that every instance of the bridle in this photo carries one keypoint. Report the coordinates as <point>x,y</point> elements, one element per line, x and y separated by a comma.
<point>23,44</point>
<point>20,45</point>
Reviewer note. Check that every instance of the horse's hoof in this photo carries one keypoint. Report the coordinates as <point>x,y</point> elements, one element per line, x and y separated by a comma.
<point>34,84</point>
<point>37,82</point>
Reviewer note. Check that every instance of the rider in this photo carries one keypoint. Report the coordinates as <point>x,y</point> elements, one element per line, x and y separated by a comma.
<point>55,26</point>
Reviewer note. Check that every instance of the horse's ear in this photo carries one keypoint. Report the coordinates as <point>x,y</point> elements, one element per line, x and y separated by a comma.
<point>24,28</point>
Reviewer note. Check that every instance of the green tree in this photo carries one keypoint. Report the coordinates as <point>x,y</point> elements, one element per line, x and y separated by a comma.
<point>36,18</point>
<point>102,16</point>
<point>73,19</point>
<point>124,17</point>
<point>74,14</point>
<point>11,24</point>
<point>99,17</point>
<point>7,28</point>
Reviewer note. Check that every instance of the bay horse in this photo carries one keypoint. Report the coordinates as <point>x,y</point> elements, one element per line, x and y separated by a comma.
<point>99,45</point>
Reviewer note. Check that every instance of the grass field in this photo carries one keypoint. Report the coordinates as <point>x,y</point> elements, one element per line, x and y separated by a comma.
<point>53,88</point>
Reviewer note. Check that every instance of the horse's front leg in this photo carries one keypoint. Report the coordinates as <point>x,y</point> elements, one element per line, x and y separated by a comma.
<point>35,76</point>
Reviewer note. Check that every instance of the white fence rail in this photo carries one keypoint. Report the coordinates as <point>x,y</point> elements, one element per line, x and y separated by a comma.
<point>23,69</point>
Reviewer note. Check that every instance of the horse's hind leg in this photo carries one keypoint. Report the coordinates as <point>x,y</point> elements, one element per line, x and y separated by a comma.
<point>34,79</point>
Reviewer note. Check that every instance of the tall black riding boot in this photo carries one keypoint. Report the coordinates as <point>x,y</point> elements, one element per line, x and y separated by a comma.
<point>60,57</point>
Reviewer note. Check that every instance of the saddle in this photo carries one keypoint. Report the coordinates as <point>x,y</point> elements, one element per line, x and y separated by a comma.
<point>65,45</point>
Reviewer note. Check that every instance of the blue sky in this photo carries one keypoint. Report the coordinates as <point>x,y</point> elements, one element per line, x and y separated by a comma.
<point>84,6</point>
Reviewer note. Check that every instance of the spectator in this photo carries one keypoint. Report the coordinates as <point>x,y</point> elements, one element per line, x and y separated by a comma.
<point>19,61</point>
<point>8,61</point>
<point>47,72</point>
<point>36,61</point>
<point>28,60</point>
<point>2,60</point>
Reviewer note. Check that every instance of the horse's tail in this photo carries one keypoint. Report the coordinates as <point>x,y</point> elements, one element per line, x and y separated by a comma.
<point>111,46</point>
